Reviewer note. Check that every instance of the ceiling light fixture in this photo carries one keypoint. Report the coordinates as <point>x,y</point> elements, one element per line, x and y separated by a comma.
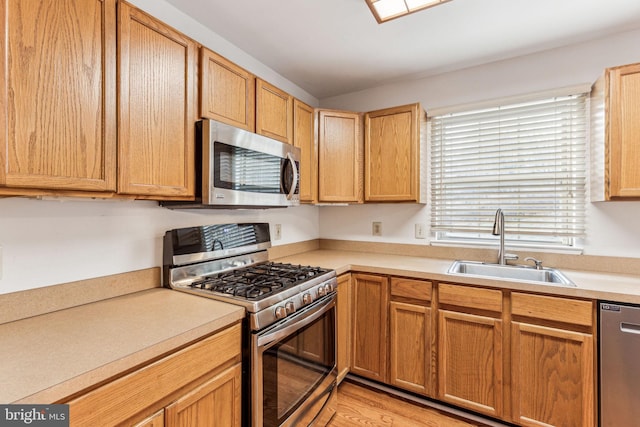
<point>386,10</point>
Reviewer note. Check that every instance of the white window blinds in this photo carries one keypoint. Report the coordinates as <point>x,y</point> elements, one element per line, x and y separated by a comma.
<point>529,159</point>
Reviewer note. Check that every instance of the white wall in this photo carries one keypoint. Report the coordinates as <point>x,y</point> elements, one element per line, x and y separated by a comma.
<point>53,241</point>
<point>612,227</point>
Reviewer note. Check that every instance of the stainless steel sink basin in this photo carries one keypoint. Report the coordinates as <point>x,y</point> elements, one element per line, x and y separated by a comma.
<point>511,272</point>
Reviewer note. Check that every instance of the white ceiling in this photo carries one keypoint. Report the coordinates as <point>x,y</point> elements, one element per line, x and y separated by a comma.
<point>333,47</point>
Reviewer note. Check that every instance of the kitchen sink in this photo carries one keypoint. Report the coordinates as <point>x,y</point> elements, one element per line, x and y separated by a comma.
<point>510,272</point>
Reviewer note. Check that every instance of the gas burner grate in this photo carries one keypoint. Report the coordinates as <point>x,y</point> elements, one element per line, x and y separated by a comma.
<point>258,281</point>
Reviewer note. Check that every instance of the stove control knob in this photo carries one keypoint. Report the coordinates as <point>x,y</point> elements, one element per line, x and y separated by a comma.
<point>328,288</point>
<point>321,291</point>
<point>281,312</point>
<point>306,299</point>
<point>289,307</point>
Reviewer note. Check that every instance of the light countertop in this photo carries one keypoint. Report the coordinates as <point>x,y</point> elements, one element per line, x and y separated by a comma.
<point>49,357</point>
<point>604,286</point>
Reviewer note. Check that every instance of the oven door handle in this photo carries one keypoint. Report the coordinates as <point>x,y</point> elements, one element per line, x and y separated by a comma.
<point>297,321</point>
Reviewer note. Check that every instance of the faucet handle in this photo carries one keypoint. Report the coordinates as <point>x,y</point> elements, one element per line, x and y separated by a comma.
<point>537,262</point>
<point>510,257</point>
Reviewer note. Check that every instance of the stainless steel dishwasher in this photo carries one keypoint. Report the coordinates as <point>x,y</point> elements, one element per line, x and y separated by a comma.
<point>619,365</point>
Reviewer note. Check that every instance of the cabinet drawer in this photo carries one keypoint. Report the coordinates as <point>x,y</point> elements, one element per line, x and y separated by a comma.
<point>125,397</point>
<point>409,288</point>
<point>557,309</point>
<point>468,296</point>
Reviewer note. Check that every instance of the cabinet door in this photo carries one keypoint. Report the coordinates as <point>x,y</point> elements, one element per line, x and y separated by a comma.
<point>370,305</point>
<point>304,138</point>
<point>470,362</point>
<point>343,326</point>
<point>392,154</point>
<point>214,403</point>
<point>157,69</point>
<point>624,131</point>
<point>274,112</point>
<point>339,157</point>
<point>227,92</point>
<point>410,346</point>
<point>552,376</point>
<point>58,111</point>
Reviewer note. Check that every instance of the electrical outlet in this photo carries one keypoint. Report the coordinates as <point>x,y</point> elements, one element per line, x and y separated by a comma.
<point>376,228</point>
<point>421,231</point>
<point>277,231</point>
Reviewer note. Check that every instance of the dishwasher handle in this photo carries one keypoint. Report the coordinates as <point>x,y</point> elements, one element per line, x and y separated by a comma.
<point>630,328</point>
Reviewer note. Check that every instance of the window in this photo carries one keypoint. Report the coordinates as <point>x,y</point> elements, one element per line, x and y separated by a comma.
<point>529,159</point>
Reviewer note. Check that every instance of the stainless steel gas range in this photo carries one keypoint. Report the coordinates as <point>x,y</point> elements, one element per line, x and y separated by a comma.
<point>289,353</point>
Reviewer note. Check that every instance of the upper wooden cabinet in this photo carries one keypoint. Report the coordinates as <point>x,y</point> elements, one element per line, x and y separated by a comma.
<point>339,157</point>
<point>58,95</point>
<point>622,132</point>
<point>304,138</point>
<point>156,135</point>
<point>274,112</point>
<point>227,92</point>
<point>392,154</point>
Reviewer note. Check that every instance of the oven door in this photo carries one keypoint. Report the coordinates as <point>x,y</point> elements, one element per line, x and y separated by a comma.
<point>294,368</point>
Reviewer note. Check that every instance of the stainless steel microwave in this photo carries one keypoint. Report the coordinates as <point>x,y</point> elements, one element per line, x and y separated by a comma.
<point>240,169</point>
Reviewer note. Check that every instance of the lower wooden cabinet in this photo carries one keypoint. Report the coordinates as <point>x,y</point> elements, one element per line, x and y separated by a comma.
<point>343,326</point>
<point>410,338</point>
<point>217,402</point>
<point>193,386</point>
<point>470,362</point>
<point>410,335</point>
<point>527,359</point>
<point>370,337</point>
<point>552,364</point>
<point>552,376</point>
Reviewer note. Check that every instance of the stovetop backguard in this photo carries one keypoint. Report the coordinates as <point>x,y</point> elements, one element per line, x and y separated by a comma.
<point>197,245</point>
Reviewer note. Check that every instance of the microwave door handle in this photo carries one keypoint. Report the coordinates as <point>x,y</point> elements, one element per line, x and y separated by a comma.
<point>294,185</point>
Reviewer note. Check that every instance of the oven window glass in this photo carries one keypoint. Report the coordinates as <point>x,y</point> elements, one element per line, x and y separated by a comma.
<point>247,170</point>
<point>293,368</point>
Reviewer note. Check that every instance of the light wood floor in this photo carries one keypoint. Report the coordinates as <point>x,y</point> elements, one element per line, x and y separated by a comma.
<point>362,406</point>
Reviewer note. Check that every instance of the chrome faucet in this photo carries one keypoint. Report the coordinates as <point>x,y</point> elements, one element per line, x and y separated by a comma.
<point>498,230</point>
